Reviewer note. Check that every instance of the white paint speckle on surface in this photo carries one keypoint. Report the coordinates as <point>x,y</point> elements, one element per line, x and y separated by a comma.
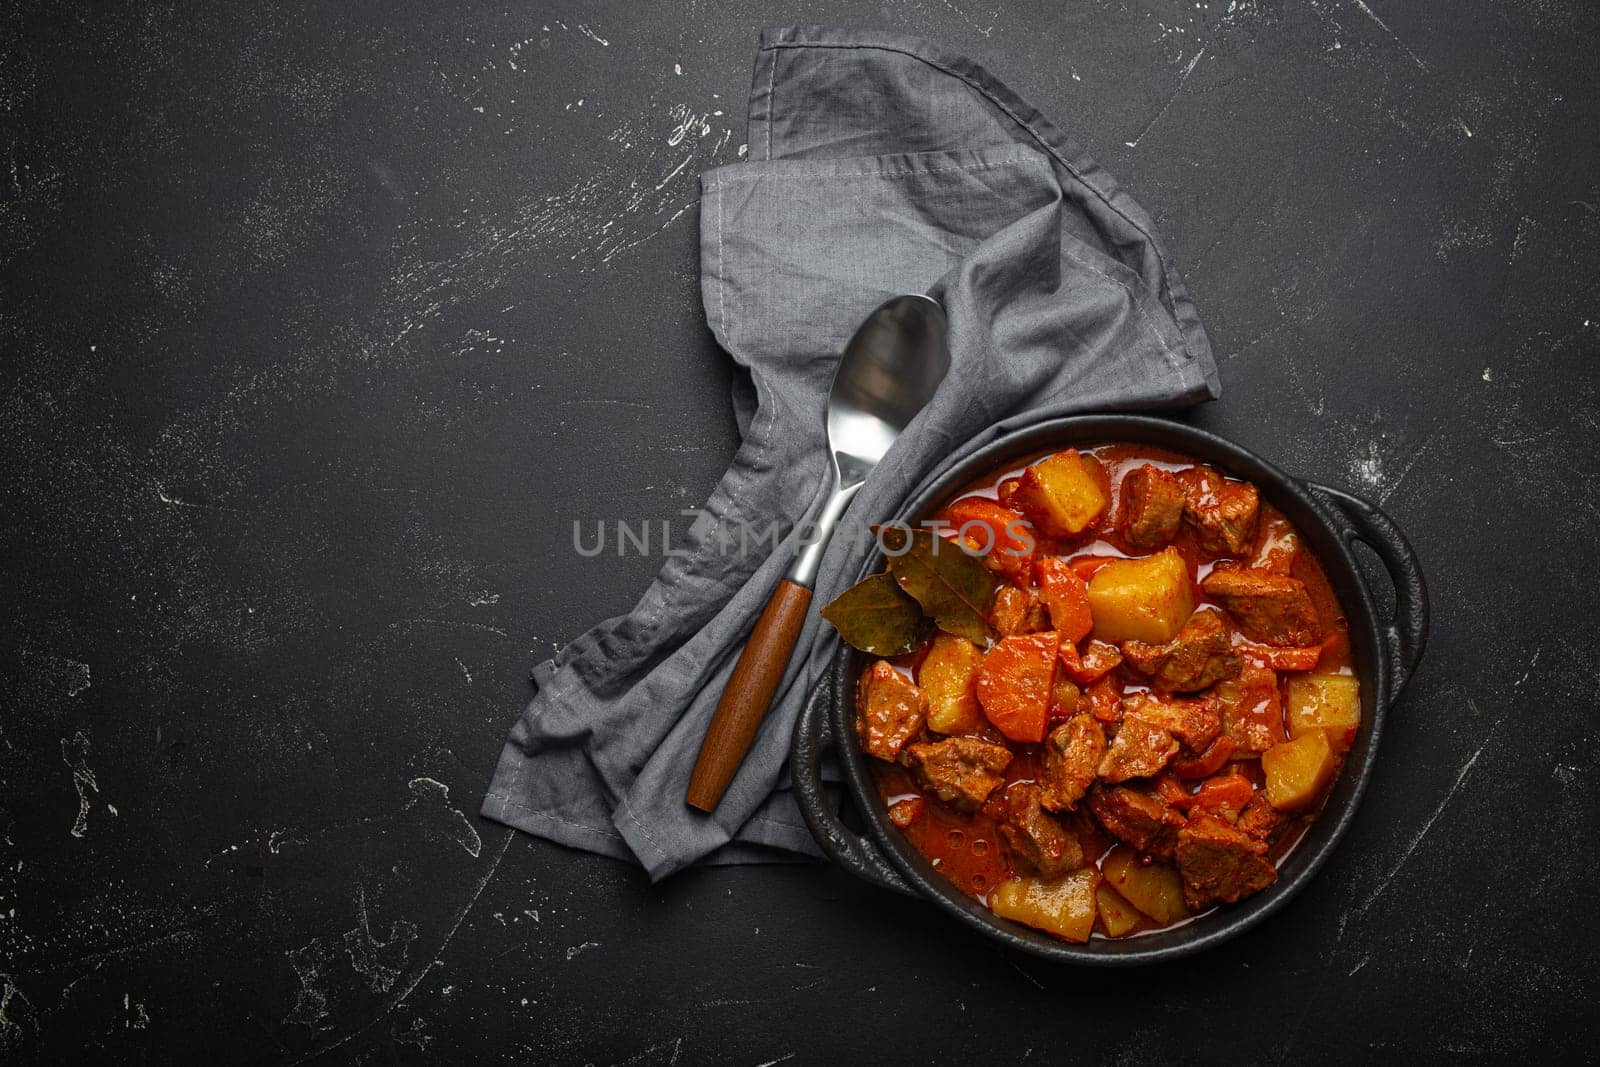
<point>1182,81</point>
<point>1519,239</point>
<point>1367,467</point>
<point>1405,856</point>
<point>1367,11</point>
<point>311,1001</point>
<point>435,793</point>
<point>137,1017</point>
<point>75,754</point>
<point>688,121</point>
<point>380,962</point>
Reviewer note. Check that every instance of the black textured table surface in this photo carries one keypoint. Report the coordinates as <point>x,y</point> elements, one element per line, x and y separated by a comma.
<point>321,324</point>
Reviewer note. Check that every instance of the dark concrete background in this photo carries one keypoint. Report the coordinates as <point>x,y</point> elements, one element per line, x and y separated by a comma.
<point>321,323</point>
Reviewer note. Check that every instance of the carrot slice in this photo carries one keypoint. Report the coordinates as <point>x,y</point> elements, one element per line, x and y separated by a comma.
<point>1085,566</point>
<point>1208,762</point>
<point>1004,533</point>
<point>1281,659</point>
<point>1224,794</point>
<point>1103,700</point>
<point>1015,684</point>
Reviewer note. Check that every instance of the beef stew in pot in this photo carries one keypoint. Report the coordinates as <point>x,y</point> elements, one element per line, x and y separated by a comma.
<point>1134,695</point>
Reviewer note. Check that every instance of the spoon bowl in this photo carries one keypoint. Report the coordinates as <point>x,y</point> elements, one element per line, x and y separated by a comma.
<point>888,373</point>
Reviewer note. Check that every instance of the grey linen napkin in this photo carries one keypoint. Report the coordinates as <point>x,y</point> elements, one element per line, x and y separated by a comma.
<point>879,164</point>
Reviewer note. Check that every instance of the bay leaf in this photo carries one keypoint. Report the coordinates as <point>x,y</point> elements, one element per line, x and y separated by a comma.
<point>877,616</point>
<point>951,585</point>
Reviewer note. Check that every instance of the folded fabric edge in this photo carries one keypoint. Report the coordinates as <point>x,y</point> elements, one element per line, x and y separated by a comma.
<point>760,840</point>
<point>1051,139</point>
<point>888,165</point>
<point>502,809</point>
<point>766,833</point>
<point>772,843</point>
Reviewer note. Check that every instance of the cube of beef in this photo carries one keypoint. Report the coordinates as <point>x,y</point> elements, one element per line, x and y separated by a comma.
<point>1017,611</point>
<point>1260,819</point>
<point>1139,749</point>
<point>1194,721</point>
<point>960,771</point>
<point>1218,863</point>
<point>1223,513</point>
<point>1152,507</point>
<point>1252,711</point>
<point>1277,543</point>
<point>1035,837</point>
<point>890,711</point>
<point>1198,657</point>
<point>1274,609</point>
<point>1072,754</point>
<point>1138,819</point>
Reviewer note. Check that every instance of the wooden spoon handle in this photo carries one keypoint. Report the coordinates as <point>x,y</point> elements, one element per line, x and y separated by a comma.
<point>749,693</point>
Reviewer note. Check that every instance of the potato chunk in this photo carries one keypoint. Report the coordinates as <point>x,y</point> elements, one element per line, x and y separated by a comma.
<point>1297,771</point>
<point>1062,906</point>
<point>947,676</point>
<point>1329,702</point>
<point>1145,599</point>
<point>1155,889</point>
<point>1116,915</point>
<point>1063,494</point>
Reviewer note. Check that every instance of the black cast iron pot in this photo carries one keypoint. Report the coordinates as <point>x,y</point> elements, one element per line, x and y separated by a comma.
<point>1385,652</point>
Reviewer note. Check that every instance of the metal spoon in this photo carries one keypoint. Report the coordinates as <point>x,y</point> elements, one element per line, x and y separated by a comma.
<point>888,372</point>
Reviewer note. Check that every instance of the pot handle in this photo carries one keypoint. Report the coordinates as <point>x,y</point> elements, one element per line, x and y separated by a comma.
<point>1406,634</point>
<point>813,735</point>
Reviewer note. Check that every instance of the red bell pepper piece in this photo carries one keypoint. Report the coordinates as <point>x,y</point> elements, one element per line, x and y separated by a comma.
<point>1066,596</point>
